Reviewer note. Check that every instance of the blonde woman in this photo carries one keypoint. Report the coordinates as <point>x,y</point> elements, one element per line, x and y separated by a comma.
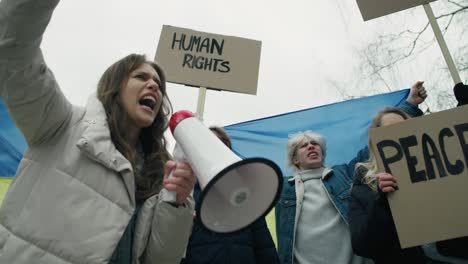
<point>373,234</point>
<point>373,231</point>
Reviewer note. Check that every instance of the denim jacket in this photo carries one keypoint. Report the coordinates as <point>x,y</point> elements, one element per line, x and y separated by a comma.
<point>337,181</point>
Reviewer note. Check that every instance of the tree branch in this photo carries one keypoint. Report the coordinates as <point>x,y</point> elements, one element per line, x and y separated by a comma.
<point>395,53</point>
<point>455,3</point>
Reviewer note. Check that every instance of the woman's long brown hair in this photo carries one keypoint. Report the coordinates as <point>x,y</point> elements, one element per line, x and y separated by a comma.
<point>149,180</point>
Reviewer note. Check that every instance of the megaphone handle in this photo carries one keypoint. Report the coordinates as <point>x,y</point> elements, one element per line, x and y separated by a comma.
<point>168,196</point>
<point>171,196</point>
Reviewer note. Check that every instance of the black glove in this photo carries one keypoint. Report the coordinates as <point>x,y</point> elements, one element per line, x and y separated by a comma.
<point>461,93</point>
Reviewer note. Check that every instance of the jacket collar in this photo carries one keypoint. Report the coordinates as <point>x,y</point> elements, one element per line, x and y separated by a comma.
<point>96,143</point>
<point>327,172</point>
<point>96,139</point>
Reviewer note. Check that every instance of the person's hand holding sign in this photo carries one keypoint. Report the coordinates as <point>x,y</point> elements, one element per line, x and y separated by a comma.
<point>386,182</point>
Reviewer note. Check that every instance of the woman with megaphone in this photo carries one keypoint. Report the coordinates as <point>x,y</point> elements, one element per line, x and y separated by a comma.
<point>88,188</point>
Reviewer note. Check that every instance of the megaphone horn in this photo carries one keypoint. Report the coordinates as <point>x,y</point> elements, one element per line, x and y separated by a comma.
<point>235,192</point>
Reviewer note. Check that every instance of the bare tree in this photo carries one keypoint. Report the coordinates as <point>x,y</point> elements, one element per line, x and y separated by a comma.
<point>385,57</point>
<point>394,48</point>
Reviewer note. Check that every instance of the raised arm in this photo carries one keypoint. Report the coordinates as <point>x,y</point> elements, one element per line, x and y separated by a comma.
<point>416,97</point>
<point>27,86</point>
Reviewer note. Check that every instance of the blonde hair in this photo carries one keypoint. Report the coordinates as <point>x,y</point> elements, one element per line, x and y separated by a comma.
<point>296,139</point>
<point>369,168</point>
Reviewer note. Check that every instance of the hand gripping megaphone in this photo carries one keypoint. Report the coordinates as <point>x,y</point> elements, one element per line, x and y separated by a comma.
<point>235,192</point>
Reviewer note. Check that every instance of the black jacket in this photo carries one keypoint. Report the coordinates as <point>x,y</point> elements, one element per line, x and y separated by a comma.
<point>457,247</point>
<point>250,246</point>
<point>373,232</point>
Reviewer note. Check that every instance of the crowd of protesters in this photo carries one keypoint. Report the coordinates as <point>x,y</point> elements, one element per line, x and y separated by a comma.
<point>89,187</point>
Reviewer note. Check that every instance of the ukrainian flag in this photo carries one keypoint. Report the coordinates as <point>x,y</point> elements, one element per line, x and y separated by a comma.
<point>12,146</point>
<point>343,124</point>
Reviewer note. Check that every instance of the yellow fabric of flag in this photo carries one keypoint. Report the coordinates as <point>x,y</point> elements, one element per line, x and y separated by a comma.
<point>4,184</point>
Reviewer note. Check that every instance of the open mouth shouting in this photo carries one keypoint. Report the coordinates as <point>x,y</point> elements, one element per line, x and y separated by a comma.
<point>148,102</point>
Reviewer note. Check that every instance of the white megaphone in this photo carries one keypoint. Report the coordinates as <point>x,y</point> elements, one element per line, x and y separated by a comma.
<point>235,192</point>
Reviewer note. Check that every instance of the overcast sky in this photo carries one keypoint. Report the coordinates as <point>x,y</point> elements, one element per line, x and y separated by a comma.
<point>305,44</point>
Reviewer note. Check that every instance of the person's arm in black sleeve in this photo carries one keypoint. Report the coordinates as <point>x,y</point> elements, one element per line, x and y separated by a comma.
<point>457,247</point>
<point>265,250</point>
<point>371,227</point>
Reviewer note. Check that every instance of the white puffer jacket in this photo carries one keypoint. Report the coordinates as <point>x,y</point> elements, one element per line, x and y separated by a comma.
<point>73,195</point>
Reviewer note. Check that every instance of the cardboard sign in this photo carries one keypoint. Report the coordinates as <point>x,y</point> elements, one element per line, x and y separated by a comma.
<point>371,9</point>
<point>207,60</point>
<point>429,157</point>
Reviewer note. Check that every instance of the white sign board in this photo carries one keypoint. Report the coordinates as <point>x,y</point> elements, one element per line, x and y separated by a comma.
<point>371,9</point>
<point>209,60</point>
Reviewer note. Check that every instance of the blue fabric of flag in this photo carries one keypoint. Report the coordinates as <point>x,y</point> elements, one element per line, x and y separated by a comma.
<point>12,143</point>
<point>344,126</point>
